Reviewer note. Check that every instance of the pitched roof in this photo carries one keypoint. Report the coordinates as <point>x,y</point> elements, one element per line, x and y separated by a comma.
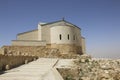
<point>27,32</point>
<point>59,21</point>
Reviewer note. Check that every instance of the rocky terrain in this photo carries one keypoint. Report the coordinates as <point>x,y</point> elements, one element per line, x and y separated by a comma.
<point>88,68</point>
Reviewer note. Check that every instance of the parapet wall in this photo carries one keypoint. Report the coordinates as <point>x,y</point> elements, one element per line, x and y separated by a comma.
<point>11,61</point>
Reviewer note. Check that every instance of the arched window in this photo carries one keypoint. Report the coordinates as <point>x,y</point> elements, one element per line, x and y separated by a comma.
<point>68,37</point>
<point>60,36</point>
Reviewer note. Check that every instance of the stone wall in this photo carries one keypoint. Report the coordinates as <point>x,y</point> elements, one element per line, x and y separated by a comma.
<point>0,51</point>
<point>30,35</point>
<point>67,48</point>
<point>69,35</point>
<point>40,51</point>
<point>11,61</point>
<point>83,45</point>
<point>24,50</point>
<point>28,43</point>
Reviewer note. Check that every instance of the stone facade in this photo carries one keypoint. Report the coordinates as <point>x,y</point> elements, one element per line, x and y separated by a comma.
<point>67,48</point>
<point>28,42</point>
<point>61,35</point>
<point>30,35</point>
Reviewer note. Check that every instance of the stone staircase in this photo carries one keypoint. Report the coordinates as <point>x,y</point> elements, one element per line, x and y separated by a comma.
<point>41,69</point>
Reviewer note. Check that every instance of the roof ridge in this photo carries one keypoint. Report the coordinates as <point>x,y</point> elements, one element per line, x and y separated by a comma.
<point>60,21</point>
<point>51,22</point>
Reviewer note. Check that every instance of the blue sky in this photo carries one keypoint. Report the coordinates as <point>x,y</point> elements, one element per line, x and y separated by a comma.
<point>98,19</point>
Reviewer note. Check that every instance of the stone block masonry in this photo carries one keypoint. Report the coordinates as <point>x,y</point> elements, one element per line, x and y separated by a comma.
<point>40,51</point>
<point>10,61</point>
<point>28,50</point>
<point>68,48</point>
<point>28,43</point>
<point>61,35</point>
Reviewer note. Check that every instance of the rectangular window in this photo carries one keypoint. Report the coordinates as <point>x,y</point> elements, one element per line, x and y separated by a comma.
<point>73,37</point>
<point>68,36</point>
<point>60,36</point>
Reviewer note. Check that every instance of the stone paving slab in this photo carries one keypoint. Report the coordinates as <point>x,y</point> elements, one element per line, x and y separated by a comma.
<point>41,69</point>
<point>35,70</point>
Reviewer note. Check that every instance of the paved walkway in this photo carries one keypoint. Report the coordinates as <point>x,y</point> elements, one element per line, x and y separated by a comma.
<point>41,69</point>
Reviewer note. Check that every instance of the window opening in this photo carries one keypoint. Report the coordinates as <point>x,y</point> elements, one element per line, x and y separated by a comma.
<point>68,37</point>
<point>60,36</point>
<point>73,37</point>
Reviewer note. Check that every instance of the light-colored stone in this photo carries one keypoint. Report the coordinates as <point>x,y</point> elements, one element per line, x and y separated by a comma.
<point>35,70</point>
<point>7,67</point>
<point>55,34</point>
<point>99,69</point>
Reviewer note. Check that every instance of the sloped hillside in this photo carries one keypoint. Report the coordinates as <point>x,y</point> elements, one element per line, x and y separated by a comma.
<point>93,69</point>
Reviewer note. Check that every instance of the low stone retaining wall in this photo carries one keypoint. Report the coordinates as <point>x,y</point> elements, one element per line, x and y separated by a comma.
<point>67,48</point>
<point>40,51</point>
<point>28,50</point>
<point>10,61</point>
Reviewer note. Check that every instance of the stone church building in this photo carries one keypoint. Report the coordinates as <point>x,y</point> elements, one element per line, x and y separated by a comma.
<point>61,34</point>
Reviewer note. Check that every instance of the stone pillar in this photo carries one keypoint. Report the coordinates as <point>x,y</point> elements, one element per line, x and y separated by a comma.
<point>4,51</point>
<point>39,32</point>
<point>1,51</point>
<point>83,45</point>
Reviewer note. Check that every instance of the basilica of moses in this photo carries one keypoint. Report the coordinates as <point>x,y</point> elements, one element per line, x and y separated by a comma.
<point>61,35</point>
